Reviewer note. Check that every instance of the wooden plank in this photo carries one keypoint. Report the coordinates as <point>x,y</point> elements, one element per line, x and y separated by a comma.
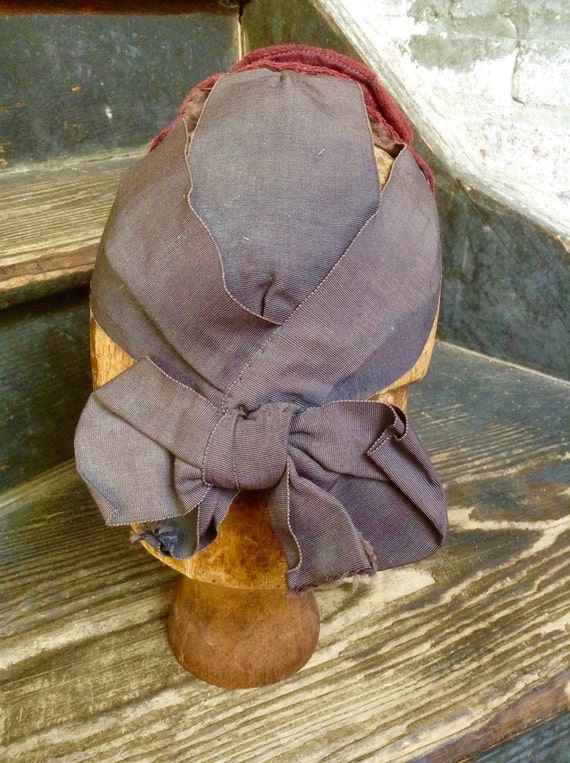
<point>548,743</point>
<point>44,383</point>
<point>539,704</point>
<point>444,658</point>
<point>121,7</point>
<point>76,84</point>
<point>52,220</point>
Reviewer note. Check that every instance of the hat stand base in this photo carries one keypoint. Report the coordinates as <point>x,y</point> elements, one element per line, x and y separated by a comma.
<point>241,638</point>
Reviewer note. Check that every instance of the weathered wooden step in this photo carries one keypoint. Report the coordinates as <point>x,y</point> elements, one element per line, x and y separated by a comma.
<point>437,661</point>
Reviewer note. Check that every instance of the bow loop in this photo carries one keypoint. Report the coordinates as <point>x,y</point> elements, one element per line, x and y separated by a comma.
<point>248,451</point>
<point>352,488</point>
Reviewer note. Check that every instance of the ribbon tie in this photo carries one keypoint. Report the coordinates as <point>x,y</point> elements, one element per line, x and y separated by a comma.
<point>248,451</point>
<point>351,488</point>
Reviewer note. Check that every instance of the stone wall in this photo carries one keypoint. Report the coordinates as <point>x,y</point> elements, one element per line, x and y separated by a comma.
<point>487,85</point>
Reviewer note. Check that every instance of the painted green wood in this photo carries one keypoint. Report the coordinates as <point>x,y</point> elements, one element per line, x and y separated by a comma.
<point>436,661</point>
<point>506,280</point>
<point>44,382</point>
<point>273,22</point>
<point>550,743</point>
<point>74,84</point>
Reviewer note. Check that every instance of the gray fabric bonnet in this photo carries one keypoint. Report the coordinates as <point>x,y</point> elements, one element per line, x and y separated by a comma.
<point>266,286</point>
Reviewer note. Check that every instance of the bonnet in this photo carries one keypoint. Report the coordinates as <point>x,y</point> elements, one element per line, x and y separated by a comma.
<point>267,286</point>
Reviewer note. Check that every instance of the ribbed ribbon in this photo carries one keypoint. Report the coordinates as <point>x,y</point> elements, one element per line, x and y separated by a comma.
<point>315,461</point>
<point>253,256</point>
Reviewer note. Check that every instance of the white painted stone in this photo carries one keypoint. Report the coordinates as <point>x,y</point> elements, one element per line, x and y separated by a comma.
<point>500,120</point>
<point>542,75</point>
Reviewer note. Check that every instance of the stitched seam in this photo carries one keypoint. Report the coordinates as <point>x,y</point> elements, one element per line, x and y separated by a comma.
<point>180,384</point>
<point>234,466</point>
<point>350,246</point>
<point>285,323</point>
<point>260,350</point>
<point>354,402</point>
<point>339,262</point>
<point>288,496</point>
<point>144,313</point>
<point>187,147</point>
<point>271,339</point>
<point>207,451</point>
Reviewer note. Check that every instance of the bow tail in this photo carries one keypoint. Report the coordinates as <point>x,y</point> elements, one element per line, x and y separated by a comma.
<point>319,540</point>
<point>136,481</point>
<point>130,475</point>
<point>398,533</point>
<point>387,509</point>
<point>182,536</point>
<point>403,515</point>
<point>403,460</point>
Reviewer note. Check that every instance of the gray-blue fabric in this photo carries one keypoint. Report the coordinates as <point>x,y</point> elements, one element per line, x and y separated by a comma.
<point>266,286</point>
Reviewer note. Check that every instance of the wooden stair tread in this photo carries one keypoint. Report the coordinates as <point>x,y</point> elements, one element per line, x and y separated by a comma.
<point>52,220</point>
<point>442,659</point>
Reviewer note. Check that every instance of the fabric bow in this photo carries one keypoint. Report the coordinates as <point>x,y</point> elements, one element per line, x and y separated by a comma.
<point>351,487</point>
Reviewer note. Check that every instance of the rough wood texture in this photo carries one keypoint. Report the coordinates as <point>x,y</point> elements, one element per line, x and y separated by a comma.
<point>241,638</point>
<point>44,383</point>
<point>246,553</point>
<point>51,227</point>
<point>117,7</point>
<point>419,662</point>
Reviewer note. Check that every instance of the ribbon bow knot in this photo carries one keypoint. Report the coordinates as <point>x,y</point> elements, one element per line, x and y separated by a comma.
<point>248,450</point>
<point>351,488</point>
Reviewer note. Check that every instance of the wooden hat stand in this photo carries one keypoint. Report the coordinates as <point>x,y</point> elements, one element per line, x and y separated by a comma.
<point>232,622</point>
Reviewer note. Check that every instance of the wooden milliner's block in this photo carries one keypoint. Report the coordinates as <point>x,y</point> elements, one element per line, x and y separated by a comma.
<point>232,621</point>
<point>269,264</point>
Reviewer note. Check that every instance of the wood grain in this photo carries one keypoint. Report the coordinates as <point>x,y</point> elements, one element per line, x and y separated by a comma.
<point>450,656</point>
<point>52,221</point>
<point>44,383</point>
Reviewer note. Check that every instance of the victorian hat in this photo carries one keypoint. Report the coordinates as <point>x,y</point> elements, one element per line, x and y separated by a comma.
<point>267,284</point>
